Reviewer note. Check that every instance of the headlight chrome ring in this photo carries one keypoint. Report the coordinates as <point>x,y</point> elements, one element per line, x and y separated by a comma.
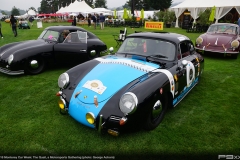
<point>199,40</point>
<point>128,103</point>
<point>235,43</point>
<point>63,80</point>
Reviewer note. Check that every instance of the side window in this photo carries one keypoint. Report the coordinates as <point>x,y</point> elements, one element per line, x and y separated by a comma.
<point>184,50</point>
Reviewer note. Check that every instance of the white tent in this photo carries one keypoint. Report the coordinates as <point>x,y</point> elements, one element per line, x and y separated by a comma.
<point>80,7</point>
<point>31,12</point>
<point>195,7</point>
<point>102,10</point>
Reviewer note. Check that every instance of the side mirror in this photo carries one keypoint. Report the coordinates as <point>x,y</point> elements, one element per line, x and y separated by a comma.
<point>111,50</point>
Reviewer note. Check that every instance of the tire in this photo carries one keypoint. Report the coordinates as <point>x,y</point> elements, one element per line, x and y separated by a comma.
<point>93,55</point>
<point>35,65</point>
<point>156,112</point>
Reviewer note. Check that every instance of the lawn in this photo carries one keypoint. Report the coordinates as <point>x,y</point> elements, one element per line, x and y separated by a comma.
<point>205,123</point>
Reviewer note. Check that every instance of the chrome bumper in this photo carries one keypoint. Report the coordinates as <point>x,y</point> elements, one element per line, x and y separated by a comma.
<point>9,72</point>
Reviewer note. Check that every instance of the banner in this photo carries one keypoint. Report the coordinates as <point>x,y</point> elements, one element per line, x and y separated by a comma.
<point>154,25</point>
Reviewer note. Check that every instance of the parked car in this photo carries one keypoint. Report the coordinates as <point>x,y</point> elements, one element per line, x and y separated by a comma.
<point>221,38</point>
<point>148,74</point>
<point>50,48</point>
<point>23,25</point>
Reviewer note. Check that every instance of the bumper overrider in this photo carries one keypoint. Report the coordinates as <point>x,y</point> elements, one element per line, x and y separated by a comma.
<point>214,50</point>
<point>112,124</point>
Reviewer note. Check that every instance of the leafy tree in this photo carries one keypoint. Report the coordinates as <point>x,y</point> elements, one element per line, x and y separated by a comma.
<point>150,4</point>
<point>90,3</point>
<point>204,17</point>
<point>100,4</point>
<point>15,11</point>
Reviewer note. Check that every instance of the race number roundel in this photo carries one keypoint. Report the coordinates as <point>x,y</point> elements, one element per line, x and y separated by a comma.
<point>190,73</point>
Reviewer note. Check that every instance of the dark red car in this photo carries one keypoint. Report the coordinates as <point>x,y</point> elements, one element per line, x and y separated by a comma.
<point>222,38</point>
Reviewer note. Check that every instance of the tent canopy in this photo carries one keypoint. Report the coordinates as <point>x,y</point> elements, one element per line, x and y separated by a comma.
<point>195,7</point>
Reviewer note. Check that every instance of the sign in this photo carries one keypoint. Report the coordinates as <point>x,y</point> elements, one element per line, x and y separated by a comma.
<point>39,24</point>
<point>154,25</point>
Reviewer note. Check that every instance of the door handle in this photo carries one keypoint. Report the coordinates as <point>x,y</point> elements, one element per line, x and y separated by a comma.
<point>82,50</point>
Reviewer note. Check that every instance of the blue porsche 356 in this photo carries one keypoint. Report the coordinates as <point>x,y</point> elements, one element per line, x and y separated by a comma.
<point>149,73</point>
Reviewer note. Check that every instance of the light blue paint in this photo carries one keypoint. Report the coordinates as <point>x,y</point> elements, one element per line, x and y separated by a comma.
<point>184,92</point>
<point>113,76</point>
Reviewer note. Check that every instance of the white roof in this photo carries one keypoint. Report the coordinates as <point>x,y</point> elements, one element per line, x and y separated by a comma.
<point>208,3</point>
<point>101,10</point>
<point>79,7</point>
<point>31,12</point>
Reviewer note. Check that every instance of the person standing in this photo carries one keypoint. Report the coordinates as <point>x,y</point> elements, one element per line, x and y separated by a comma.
<point>94,19</point>
<point>1,35</point>
<point>31,19</point>
<point>74,21</point>
<point>13,24</point>
<point>89,20</point>
<point>102,20</point>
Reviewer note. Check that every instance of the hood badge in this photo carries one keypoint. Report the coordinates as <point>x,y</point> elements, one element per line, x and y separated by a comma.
<point>96,86</point>
<point>95,101</point>
<point>216,41</point>
<point>85,97</point>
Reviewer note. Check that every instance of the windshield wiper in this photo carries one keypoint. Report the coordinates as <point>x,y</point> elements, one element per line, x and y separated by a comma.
<point>157,56</point>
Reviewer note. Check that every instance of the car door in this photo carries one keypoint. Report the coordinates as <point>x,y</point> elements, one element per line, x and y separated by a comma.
<point>187,68</point>
<point>72,49</point>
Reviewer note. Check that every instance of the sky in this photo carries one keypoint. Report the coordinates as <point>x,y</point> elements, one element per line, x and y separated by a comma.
<point>26,4</point>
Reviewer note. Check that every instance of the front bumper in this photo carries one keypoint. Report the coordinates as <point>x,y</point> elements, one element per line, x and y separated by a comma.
<point>10,72</point>
<point>215,50</point>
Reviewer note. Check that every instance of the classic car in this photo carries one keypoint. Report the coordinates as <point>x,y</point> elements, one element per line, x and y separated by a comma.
<point>23,25</point>
<point>33,56</point>
<point>149,73</point>
<point>220,38</point>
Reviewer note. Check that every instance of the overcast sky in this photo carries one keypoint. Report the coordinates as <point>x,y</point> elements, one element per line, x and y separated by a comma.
<point>26,4</point>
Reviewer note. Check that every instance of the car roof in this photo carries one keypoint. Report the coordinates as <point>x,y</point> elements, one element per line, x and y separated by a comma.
<point>61,28</point>
<point>173,37</point>
<point>228,24</point>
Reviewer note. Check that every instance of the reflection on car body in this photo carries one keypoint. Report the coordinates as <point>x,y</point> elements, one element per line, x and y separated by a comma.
<point>33,56</point>
<point>133,87</point>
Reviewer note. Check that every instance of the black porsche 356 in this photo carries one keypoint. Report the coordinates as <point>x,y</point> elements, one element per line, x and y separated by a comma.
<point>33,56</point>
<point>148,74</point>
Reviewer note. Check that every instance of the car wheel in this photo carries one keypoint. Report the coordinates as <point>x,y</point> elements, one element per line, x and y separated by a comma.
<point>35,65</point>
<point>93,54</point>
<point>156,113</point>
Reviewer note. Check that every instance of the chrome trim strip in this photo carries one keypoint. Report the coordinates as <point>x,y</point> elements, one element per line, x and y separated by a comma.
<point>9,72</point>
<point>216,51</point>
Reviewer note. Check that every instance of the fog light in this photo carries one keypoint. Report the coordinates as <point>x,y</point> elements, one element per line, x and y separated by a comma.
<point>61,103</point>
<point>90,118</point>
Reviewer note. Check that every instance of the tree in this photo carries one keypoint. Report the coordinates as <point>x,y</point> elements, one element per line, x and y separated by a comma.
<point>15,11</point>
<point>100,4</point>
<point>150,4</point>
<point>160,4</point>
<point>89,2</point>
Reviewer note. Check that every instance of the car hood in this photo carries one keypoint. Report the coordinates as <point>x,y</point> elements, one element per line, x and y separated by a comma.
<point>218,39</point>
<point>109,76</point>
<point>21,46</point>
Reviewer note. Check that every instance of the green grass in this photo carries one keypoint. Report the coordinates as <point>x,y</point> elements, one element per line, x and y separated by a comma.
<point>206,122</point>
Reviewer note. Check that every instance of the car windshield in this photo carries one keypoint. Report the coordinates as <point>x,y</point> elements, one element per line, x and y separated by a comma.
<point>49,34</point>
<point>225,29</point>
<point>148,47</point>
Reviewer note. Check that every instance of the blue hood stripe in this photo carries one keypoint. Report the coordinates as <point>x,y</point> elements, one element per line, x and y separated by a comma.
<point>113,74</point>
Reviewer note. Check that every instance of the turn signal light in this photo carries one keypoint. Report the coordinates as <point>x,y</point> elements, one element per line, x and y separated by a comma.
<point>123,121</point>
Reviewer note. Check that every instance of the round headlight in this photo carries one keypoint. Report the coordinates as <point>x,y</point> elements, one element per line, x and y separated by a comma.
<point>235,44</point>
<point>128,103</point>
<point>63,80</point>
<point>90,118</point>
<point>10,59</point>
<point>199,40</point>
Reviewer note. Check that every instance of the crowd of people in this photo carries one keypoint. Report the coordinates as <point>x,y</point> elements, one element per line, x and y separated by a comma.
<point>96,19</point>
